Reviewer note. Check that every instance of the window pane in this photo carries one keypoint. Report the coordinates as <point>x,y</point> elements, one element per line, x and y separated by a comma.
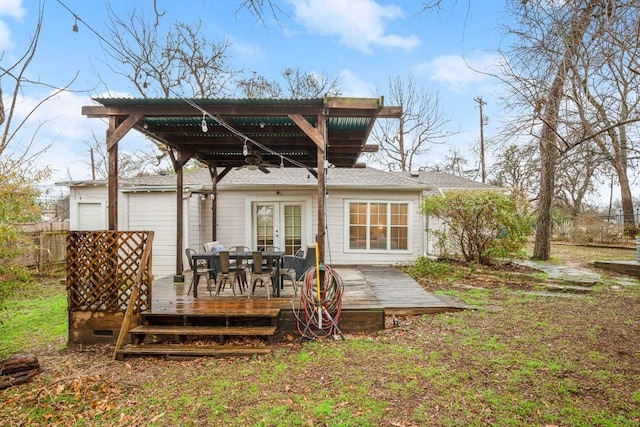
<point>399,238</point>
<point>292,228</point>
<point>399,226</point>
<point>378,226</point>
<point>358,214</point>
<point>264,225</point>
<point>357,237</point>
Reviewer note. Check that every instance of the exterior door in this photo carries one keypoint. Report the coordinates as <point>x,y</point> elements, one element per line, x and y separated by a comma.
<point>91,216</point>
<point>279,224</point>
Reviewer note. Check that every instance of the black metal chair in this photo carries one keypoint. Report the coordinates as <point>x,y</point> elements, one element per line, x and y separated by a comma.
<point>289,271</point>
<point>199,270</point>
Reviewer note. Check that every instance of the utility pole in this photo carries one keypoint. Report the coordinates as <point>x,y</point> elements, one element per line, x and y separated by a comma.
<point>480,102</point>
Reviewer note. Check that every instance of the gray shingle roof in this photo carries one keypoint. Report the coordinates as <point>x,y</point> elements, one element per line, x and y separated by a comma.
<point>348,178</point>
<point>446,181</point>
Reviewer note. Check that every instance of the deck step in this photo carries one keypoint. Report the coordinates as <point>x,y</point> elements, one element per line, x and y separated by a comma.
<point>219,312</point>
<point>183,350</point>
<point>203,330</point>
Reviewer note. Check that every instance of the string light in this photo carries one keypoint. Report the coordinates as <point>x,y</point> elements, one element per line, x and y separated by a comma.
<point>245,149</point>
<point>281,161</point>
<point>205,128</point>
<point>75,26</point>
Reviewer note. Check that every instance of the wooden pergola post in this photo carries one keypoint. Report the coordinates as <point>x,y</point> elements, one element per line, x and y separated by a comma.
<point>119,126</point>
<point>322,186</point>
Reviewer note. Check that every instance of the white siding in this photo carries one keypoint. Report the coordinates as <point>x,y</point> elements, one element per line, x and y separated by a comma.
<point>195,222</point>
<point>231,218</point>
<point>90,196</point>
<point>337,232</point>
<point>154,211</point>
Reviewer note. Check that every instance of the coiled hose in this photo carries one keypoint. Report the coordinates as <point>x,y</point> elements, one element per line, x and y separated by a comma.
<point>318,310</point>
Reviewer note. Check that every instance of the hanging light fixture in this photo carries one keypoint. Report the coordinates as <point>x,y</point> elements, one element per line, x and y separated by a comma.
<point>205,128</point>
<point>245,149</point>
<point>75,25</point>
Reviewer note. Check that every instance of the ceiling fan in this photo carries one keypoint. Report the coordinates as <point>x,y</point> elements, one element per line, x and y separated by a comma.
<point>254,160</point>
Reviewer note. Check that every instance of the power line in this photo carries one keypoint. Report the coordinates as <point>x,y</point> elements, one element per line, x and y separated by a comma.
<point>79,19</point>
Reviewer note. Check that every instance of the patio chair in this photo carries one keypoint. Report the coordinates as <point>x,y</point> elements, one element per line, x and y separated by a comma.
<point>225,274</point>
<point>288,269</point>
<point>239,261</point>
<point>307,262</point>
<point>261,272</point>
<point>199,270</point>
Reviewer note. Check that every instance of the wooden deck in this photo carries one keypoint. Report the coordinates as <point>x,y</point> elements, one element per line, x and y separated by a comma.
<point>179,325</point>
<point>381,290</point>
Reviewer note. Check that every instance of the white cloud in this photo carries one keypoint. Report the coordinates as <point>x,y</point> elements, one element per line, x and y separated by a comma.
<point>5,37</point>
<point>458,72</point>
<point>360,24</point>
<point>60,125</point>
<point>12,8</point>
<point>351,85</point>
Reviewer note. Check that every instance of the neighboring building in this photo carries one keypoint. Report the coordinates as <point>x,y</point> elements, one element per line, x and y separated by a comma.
<point>372,216</point>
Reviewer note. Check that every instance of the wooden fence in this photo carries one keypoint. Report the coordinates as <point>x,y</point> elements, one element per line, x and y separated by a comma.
<point>50,250</point>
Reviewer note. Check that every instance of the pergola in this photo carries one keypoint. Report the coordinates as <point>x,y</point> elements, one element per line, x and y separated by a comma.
<point>254,133</point>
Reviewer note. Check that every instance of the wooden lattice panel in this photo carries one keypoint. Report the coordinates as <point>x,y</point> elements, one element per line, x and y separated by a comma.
<point>101,270</point>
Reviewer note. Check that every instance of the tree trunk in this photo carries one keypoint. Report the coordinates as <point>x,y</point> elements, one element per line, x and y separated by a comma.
<point>626,199</point>
<point>549,137</point>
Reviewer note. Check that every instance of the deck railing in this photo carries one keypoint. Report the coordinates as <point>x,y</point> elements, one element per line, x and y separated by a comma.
<point>104,269</point>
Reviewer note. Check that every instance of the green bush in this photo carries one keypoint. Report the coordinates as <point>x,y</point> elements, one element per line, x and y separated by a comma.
<point>18,204</point>
<point>433,269</point>
<point>479,226</point>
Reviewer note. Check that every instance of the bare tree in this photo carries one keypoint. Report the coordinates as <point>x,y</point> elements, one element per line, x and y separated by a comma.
<point>17,74</point>
<point>575,177</point>
<point>454,163</point>
<point>539,68</point>
<point>138,163</point>
<point>181,62</point>
<point>298,84</point>
<point>403,141</point>
<point>257,86</point>
<point>517,169</point>
<point>304,84</point>
<point>607,95</point>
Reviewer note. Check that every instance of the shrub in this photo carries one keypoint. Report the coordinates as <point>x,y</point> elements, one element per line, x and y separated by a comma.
<point>18,204</point>
<point>479,226</point>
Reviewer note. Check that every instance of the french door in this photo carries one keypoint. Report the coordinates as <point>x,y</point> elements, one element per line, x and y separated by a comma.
<point>279,224</point>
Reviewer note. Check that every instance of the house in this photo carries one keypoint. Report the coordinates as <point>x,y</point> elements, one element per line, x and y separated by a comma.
<point>371,216</point>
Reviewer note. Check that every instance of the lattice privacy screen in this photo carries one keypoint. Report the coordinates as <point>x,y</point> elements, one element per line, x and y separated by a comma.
<point>102,267</point>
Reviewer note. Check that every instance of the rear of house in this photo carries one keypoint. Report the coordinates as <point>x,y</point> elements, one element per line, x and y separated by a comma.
<point>371,216</point>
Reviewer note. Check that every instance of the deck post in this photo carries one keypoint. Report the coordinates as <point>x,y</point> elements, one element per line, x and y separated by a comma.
<point>322,185</point>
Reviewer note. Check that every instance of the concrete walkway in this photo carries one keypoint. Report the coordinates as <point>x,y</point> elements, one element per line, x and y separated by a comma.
<point>573,275</point>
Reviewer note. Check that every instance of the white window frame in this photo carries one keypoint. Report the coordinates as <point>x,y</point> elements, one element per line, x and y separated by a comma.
<point>367,249</point>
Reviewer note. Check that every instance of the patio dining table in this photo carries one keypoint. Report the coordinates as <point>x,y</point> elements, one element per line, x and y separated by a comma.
<point>212,257</point>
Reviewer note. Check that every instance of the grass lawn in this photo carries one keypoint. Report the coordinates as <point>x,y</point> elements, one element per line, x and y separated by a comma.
<point>520,359</point>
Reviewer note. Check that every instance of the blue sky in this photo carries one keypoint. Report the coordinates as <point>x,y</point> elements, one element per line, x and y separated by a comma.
<point>363,42</point>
